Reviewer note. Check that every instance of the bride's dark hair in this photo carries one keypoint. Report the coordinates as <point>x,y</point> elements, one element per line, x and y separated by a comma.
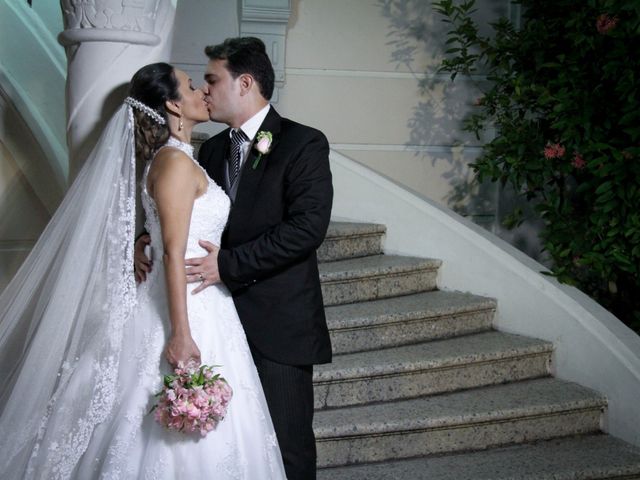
<point>152,85</point>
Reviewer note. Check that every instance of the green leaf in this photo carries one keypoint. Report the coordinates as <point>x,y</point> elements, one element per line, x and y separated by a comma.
<point>556,80</point>
<point>605,186</point>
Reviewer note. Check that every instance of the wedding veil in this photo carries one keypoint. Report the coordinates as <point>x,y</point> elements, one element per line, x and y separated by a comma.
<point>62,316</point>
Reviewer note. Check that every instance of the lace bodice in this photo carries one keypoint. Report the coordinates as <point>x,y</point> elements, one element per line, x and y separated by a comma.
<point>208,219</point>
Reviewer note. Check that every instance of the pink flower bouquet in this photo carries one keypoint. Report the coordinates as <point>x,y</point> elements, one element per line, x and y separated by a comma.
<point>193,399</point>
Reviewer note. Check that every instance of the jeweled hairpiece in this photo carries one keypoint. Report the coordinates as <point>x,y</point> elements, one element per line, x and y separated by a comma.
<point>146,109</point>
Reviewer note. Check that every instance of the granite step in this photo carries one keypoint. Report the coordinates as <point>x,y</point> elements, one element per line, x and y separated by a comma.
<point>376,276</point>
<point>473,419</point>
<point>349,240</point>
<point>593,457</point>
<point>430,368</point>
<point>408,319</point>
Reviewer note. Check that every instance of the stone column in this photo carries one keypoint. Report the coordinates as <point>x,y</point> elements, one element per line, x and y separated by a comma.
<point>267,20</point>
<point>106,41</point>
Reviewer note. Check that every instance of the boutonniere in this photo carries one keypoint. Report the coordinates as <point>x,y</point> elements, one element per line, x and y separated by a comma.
<point>262,145</point>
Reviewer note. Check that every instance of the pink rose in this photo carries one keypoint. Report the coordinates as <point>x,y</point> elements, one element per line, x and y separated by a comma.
<point>263,145</point>
<point>578,162</point>
<point>193,411</point>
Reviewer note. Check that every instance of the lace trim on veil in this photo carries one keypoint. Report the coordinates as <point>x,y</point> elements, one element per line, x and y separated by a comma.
<point>122,300</point>
<point>64,314</point>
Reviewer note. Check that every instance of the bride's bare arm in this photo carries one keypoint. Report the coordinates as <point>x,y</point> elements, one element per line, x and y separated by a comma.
<point>173,183</point>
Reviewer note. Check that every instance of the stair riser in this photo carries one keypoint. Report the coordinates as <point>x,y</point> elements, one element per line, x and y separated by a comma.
<point>348,473</point>
<point>594,457</point>
<point>371,288</point>
<point>340,248</point>
<point>409,331</point>
<point>429,382</point>
<point>405,444</point>
<point>333,474</point>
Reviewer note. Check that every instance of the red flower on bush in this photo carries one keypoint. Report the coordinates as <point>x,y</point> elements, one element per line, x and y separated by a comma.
<point>578,162</point>
<point>605,23</point>
<point>553,150</point>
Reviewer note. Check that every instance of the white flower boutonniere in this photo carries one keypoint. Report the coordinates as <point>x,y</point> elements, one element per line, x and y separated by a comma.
<point>262,145</point>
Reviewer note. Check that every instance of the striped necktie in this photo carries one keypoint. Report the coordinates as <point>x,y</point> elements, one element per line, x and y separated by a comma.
<point>238,137</point>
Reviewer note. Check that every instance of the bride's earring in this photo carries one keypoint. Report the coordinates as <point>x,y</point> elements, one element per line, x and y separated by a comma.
<point>180,124</point>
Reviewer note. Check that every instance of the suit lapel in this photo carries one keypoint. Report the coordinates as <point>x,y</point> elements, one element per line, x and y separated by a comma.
<point>250,179</point>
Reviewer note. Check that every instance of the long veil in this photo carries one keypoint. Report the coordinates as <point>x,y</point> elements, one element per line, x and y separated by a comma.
<point>62,316</point>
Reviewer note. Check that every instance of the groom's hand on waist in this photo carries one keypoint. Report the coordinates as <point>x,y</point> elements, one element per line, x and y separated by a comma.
<point>203,269</point>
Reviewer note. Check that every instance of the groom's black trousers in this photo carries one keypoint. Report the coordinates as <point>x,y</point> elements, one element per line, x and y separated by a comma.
<point>289,393</point>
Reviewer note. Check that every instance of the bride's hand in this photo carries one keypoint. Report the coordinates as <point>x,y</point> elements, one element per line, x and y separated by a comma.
<point>141,263</point>
<point>182,348</point>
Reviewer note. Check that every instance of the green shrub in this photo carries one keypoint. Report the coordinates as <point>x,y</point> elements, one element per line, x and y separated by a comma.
<point>564,99</point>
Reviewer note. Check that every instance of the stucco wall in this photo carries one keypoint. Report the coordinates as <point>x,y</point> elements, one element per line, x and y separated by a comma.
<point>343,77</point>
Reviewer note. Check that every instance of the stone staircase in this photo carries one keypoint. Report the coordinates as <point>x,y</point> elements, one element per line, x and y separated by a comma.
<point>421,387</point>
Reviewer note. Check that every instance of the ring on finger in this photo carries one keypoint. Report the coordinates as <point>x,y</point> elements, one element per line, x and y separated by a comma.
<point>200,276</point>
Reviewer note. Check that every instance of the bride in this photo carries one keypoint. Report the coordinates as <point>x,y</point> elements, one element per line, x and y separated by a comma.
<point>83,351</point>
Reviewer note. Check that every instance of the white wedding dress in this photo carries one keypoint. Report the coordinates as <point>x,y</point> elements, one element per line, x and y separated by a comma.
<point>130,444</point>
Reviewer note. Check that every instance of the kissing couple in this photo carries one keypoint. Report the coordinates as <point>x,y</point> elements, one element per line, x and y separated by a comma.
<point>225,275</point>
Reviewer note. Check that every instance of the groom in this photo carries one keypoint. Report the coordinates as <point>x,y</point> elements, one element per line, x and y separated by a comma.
<point>277,175</point>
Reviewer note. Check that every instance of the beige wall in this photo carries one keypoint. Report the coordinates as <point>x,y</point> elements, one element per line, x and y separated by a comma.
<point>342,77</point>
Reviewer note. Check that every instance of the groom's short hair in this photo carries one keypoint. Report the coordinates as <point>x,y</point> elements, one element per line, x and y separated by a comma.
<point>246,55</point>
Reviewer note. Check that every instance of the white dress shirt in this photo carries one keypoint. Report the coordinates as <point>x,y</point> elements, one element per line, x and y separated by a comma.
<point>250,129</point>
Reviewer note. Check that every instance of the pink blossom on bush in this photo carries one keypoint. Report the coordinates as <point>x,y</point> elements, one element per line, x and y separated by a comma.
<point>549,152</point>
<point>578,162</point>
<point>554,150</point>
<point>605,23</point>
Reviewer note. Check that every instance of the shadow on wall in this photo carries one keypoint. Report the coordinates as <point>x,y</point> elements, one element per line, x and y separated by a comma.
<point>22,217</point>
<point>417,36</point>
<point>29,192</point>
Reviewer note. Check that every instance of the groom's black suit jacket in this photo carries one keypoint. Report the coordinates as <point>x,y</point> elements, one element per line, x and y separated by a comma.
<point>268,254</point>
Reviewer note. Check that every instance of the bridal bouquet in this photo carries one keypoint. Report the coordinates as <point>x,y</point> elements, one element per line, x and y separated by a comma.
<point>193,399</point>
